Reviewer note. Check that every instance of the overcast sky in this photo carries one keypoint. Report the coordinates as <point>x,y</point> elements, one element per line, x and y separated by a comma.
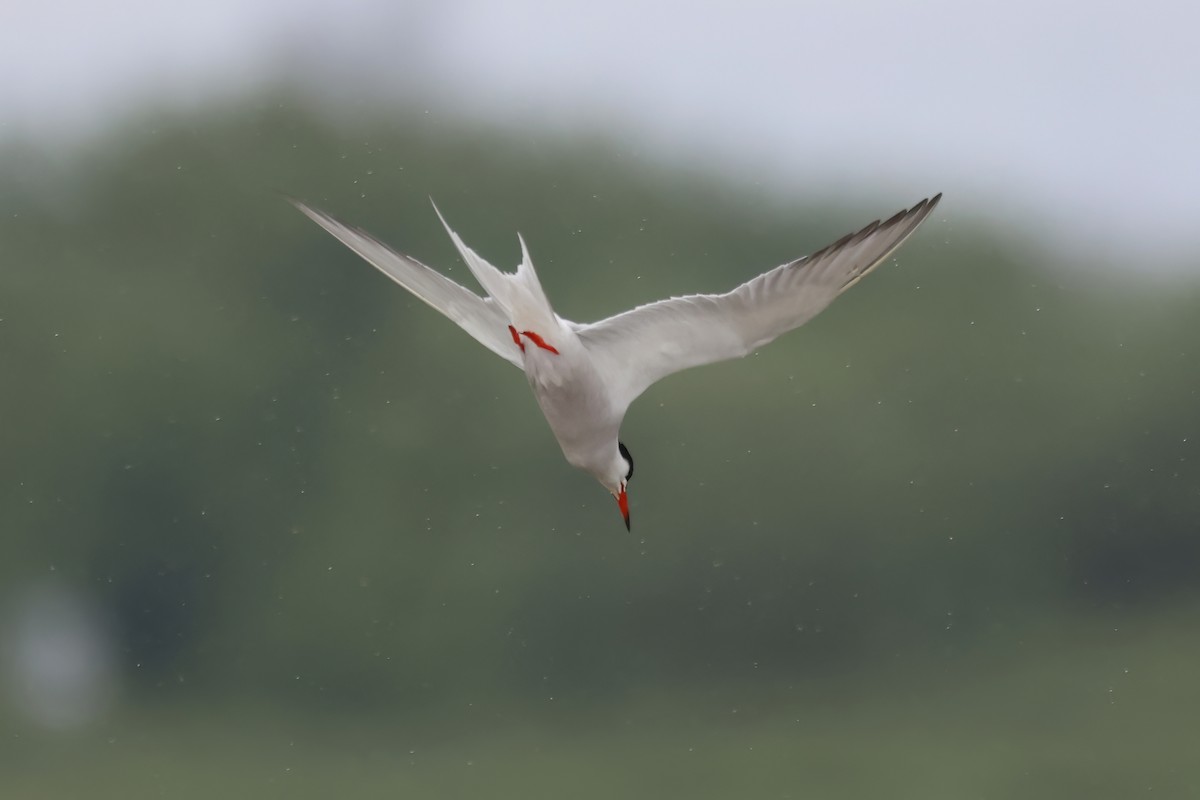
<point>1080,119</point>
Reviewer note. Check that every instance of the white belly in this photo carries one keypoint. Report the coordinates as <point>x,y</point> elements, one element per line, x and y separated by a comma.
<point>575,403</point>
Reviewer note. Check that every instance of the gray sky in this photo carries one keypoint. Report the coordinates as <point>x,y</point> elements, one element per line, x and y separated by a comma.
<point>1080,119</point>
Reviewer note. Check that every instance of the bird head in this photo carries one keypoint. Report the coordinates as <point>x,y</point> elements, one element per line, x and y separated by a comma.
<point>621,473</point>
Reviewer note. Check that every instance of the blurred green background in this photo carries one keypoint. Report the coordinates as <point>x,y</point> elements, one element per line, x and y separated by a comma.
<point>273,528</point>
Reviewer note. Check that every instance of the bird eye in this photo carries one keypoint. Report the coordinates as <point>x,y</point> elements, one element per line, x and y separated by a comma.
<point>625,454</point>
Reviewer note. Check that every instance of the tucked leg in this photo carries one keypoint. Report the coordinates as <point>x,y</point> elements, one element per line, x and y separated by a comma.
<point>539,341</point>
<point>516,338</point>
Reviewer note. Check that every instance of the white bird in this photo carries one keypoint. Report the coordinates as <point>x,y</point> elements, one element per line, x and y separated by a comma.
<point>585,376</point>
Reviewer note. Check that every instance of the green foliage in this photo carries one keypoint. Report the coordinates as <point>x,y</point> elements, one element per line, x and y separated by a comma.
<point>286,479</point>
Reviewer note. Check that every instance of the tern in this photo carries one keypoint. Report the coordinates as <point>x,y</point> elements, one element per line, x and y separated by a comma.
<point>584,376</point>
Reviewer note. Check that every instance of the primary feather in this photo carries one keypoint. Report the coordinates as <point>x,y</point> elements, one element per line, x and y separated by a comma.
<point>647,343</point>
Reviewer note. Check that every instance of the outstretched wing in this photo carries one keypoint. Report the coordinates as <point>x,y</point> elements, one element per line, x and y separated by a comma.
<point>639,347</point>
<point>479,316</point>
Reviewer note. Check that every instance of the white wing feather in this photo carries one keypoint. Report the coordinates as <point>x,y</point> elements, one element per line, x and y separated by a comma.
<point>481,317</point>
<point>635,349</point>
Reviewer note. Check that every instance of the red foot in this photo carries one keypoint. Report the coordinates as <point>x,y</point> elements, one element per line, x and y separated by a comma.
<point>533,337</point>
<point>539,341</point>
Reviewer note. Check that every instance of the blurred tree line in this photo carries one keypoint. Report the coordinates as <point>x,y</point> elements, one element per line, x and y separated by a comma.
<point>281,475</point>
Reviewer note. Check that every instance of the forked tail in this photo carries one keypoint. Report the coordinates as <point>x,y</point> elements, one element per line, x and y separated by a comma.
<point>519,293</point>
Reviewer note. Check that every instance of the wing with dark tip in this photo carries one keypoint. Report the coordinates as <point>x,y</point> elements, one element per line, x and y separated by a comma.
<point>635,349</point>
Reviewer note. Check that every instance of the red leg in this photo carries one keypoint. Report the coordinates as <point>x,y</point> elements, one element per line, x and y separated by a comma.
<point>539,341</point>
<point>516,338</point>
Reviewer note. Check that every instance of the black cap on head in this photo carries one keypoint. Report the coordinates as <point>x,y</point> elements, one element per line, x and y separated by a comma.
<point>625,454</point>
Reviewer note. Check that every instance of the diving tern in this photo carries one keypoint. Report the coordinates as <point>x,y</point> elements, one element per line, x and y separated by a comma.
<point>584,376</point>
